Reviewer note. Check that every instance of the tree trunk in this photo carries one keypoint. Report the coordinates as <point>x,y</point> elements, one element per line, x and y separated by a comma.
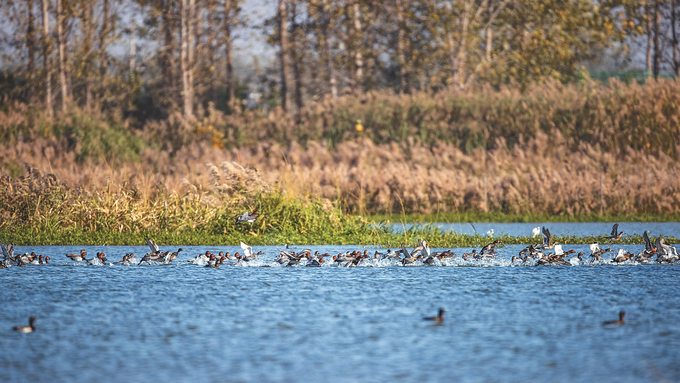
<point>283,36</point>
<point>489,42</point>
<point>676,53</point>
<point>228,20</point>
<point>326,47</point>
<point>88,16</point>
<point>191,49</point>
<point>650,45</point>
<point>184,35</point>
<point>133,52</point>
<point>167,67</point>
<point>296,57</point>
<point>62,55</point>
<point>461,59</point>
<point>46,57</point>
<point>358,58</point>
<point>657,42</point>
<point>103,59</point>
<point>400,46</point>
<point>30,41</point>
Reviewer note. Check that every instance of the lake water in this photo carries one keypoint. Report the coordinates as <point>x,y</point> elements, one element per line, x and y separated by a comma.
<point>183,322</point>
<point>581,229</point>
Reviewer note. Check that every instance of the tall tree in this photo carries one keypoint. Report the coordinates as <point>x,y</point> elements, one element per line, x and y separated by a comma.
<point>283,52</point>
<point>184,59</point>
<point>657,39</point>
<point>230,10</point>
<point>358,57</point>
<point>61,37</point>
<point>46,43</point>
<point>674,38</point>
<point>30,44</point>
<point>297,54</point>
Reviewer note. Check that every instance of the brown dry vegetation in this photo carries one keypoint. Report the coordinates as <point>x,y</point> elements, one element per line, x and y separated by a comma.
<point>553,150</point>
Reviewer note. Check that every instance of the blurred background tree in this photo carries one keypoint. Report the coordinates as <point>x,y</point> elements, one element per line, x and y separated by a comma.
<point>149,58</point>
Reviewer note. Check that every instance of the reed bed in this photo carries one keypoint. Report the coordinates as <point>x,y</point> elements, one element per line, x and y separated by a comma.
<point>554,150</point>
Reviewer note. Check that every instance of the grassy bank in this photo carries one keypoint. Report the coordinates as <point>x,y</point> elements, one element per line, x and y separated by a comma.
<point>39,209</point>
<point>368,235</point>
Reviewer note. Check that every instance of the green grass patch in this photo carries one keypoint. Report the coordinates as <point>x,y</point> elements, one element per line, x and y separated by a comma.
<point>367,235</point>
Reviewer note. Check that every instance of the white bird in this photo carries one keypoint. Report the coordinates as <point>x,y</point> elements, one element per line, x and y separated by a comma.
<point>536,232</point>
<point>247,250</point>
<point>558,250</point>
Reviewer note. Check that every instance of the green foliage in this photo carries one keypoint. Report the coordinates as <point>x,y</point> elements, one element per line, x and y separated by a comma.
<point>98,139</point>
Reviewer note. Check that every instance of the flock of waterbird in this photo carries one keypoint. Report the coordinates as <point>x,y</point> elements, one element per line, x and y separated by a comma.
<point>537,255</point>
<point>547,253</point>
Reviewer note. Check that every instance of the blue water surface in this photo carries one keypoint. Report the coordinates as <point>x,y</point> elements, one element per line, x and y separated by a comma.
<point>261,322</point>
<point>525,229</point>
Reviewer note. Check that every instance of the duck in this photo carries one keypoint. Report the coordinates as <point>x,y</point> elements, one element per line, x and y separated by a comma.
<point>247,217</point>
<point>622,256</point>
<point>77,257</point>
<point>547,240</point>
<point>99,260</point>
<point>126,259</point>
<point>36,259</point>
<point>410,259</point>
<point>430,261</point>
<point>596,252</point>
<point>488,250</point>
<point>648,251</point>
<point>616,322</point>
<point>199,259</point>
<point>172,256</point>
<point>213,262</point>
<point>473,254</point>
<point>665,253</point>
<point>615,235</point>
<point>26,329</point>
<point>248,254</point>
<point>577,259</point>
<point>439,318</point>
<point>315,262</point>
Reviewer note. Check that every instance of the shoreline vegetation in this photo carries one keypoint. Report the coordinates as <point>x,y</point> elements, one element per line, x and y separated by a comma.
<point>551,153</point>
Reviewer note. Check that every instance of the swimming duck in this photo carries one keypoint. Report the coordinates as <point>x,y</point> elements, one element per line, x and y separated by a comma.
<point>665,253</point>
<point>172,256</point>
<point>622,256</point>
<point>488,250</point>
<point>439,318</point>
<point>77,257</point>
<point>410,259</point>
<point>315,262</point>
<point>248,254</point>
<point>36,260</point>
<point>26,329</point>
<point>473,254</point>
<point>596,252</point>
<point>126,259</point>
<point>615,235</point>
<point>576,260</point>
<point>616,322</point>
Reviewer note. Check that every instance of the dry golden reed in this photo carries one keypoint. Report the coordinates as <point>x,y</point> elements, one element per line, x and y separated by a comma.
<point>555,149</point>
